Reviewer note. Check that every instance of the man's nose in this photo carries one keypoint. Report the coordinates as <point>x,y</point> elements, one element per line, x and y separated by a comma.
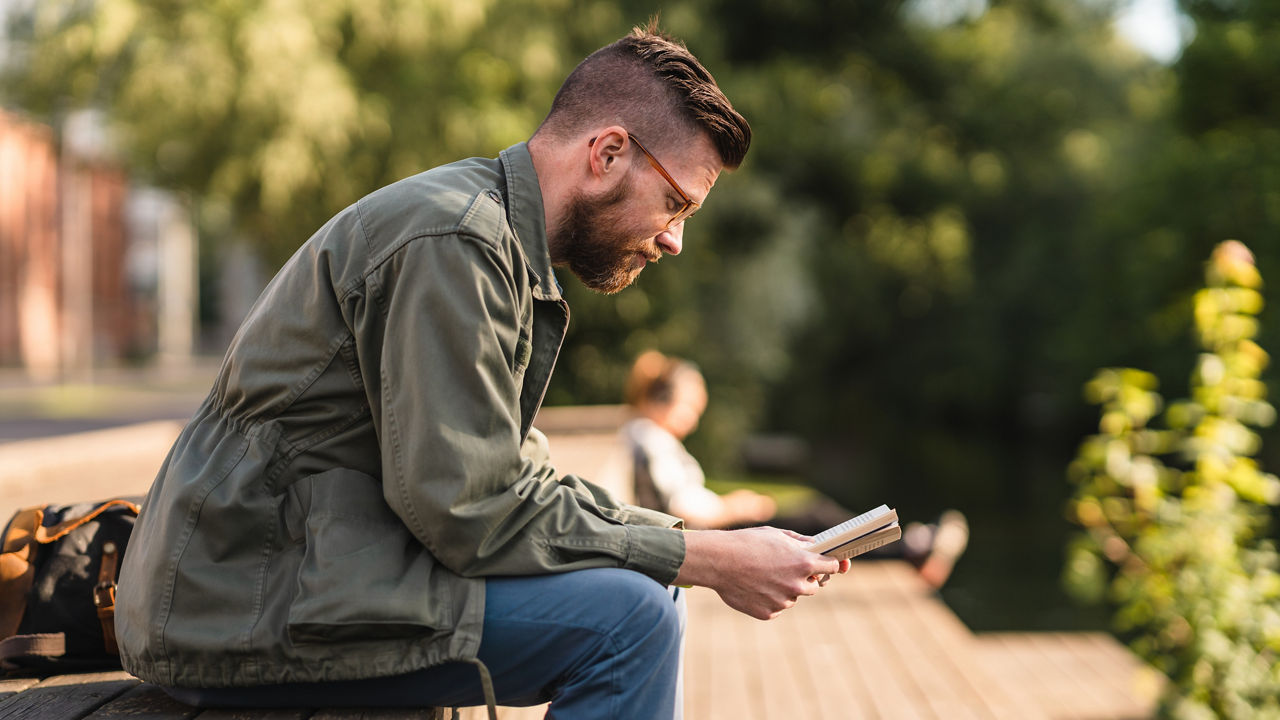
<point>671,240</point>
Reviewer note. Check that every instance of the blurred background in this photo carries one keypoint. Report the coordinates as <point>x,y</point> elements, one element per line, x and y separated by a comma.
<point>953,214</point>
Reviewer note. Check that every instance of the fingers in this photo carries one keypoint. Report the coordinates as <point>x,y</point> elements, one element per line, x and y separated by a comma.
<point>771,570</point>
<point>841,569</point>
<point>768,610</point>
<point>797,536</point>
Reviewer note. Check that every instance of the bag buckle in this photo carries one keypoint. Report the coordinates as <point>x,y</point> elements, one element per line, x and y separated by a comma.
<point>104,595</point>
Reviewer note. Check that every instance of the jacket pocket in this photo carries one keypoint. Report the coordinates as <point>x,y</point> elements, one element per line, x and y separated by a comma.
<point>363,575</point>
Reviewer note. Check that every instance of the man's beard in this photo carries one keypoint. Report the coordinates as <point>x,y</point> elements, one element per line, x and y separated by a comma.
<point>596,243</point>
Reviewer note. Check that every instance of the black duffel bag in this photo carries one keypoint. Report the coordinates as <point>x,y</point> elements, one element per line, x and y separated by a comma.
<point>58,570</point>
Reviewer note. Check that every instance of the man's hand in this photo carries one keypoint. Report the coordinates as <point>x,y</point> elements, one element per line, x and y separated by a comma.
<point>822,579</point>
<point>758,571</point>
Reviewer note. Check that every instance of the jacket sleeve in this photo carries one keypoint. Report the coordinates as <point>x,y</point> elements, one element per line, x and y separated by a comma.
<point>537,449</point>
<point>450,430</point>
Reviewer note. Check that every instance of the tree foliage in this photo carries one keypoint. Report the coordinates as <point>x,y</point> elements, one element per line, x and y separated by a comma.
<point>277,114</point>
<point>946,224</point>
<point>1175,519</point>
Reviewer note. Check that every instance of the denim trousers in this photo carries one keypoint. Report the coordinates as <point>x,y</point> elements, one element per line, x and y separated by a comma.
<point>600,643</point>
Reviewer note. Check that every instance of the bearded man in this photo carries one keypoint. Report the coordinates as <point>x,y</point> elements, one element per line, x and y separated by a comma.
<point>360,512</point>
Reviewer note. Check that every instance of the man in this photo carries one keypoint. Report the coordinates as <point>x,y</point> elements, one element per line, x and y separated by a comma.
<point>350,517</point>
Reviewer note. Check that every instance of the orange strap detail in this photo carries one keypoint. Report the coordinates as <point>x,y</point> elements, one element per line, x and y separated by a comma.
<point>16,571</point>
<point>49,534</point>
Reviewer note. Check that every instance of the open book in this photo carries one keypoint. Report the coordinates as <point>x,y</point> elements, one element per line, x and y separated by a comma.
<point>855,536</point>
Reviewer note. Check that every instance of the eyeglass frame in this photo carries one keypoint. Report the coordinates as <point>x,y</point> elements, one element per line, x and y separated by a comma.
<point>690,207</point>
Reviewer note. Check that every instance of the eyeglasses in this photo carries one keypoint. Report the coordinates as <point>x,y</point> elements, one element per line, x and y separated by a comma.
<point>689,207</point>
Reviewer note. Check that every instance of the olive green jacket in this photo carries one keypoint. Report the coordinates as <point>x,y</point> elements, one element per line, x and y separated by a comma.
<point>333,507</point>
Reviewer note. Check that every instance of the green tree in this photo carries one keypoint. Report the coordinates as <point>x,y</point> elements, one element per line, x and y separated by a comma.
<point>1175,520</point>
<point>273,115</point>
<point>957,176</point>
<point>276,114</point>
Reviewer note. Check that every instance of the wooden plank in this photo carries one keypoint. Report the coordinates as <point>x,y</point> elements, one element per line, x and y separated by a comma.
<point>834,690</point>
<point>712,680</point>
<point>773,688</point>
<point>1020,679</point>
<point>891,693</point>
<point>505,712</point>
<point>371,714</point>
<point>253,714</point>
<point>1074,676</point>
<point>478,712</point>
<point>144,702</point>
<point>916,656</point>
<point>1089,697</point>
<point>1134,688</point>
<point>66,697</point>
<point>729,689</point>
<point>947,629</point>
<point>795,639</point>
<point>13,686</point>
<point>908,651</point>
<point>699,649</point>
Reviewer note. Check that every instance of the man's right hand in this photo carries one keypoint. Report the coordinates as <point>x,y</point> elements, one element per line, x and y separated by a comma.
<point>758,571</point>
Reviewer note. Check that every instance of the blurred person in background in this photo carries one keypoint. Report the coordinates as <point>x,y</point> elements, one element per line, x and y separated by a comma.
<point>361,514</point>
<point>667,396</point>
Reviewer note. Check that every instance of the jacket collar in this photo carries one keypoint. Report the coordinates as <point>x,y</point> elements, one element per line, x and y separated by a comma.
<point>528,219</point>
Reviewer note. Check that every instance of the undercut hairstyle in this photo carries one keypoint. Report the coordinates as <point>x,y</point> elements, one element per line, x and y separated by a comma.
<point>653,86</point>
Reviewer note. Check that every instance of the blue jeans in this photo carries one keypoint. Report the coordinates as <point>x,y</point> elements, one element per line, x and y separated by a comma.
<point>602,643</point>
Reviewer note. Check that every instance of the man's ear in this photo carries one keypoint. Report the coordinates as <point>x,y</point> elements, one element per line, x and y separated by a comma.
<point>607,149</point>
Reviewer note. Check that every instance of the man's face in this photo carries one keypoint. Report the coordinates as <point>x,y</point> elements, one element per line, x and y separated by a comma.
<point>607,239</point>
<point>601,243</point>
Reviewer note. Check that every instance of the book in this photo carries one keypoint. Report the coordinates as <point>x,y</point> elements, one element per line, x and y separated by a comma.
<point>872,529</point>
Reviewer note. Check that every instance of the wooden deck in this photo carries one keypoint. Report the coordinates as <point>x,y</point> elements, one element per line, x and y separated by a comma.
<point>873,644</point>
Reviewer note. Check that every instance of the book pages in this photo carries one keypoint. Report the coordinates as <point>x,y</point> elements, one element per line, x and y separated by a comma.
<point>875,528</point>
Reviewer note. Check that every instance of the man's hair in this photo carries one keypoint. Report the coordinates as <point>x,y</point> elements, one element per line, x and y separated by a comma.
<point>653,86</point>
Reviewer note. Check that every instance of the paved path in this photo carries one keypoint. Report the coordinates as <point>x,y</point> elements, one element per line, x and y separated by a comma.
<point>112,398</point>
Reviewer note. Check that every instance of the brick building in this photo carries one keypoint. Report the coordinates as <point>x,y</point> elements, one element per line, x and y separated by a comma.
<point>71,236</point>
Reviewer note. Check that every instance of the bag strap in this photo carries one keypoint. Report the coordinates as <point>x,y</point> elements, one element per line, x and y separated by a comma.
<point>17,573</point>
<point>104,596</point>
<point>55,532</point>
<point>45,645</point>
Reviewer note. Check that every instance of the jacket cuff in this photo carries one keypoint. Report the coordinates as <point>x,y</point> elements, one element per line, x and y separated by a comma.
<point>655,551</point>
<point>635,515</point>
